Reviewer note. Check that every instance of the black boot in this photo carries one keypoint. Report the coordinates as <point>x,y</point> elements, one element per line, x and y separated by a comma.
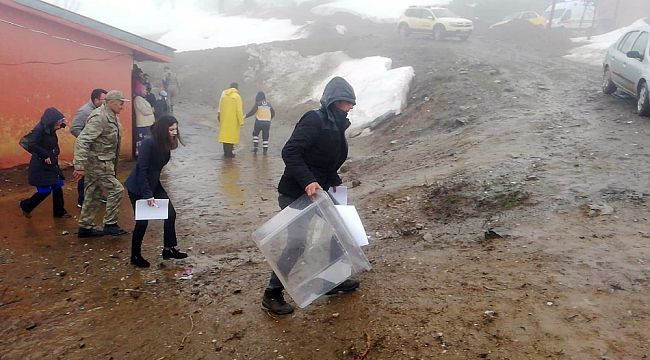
<point>87,233</point>
<point>172,253</point>
<point>265,151</point>
<point>139,261</point>
<point>58,204</point>
<point>22,209</point>
<point>273,301</point>
<point>114,229</point>
<point>347,286</point>
<point>27,205</point>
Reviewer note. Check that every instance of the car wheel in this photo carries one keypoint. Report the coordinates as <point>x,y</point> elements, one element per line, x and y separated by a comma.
<point>608,85</point>
<point>643,105</point>
<point>439,32</point>
<point>404,30</point>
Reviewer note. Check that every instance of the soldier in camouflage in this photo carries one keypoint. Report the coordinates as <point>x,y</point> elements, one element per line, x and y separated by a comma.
<point>95,157</point>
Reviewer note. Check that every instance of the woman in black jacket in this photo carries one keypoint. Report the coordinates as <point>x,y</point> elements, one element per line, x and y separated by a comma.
<point>44,171</point>
<point>144,183</point>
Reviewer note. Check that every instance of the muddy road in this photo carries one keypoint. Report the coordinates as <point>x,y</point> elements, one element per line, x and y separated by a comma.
<point>495,136</point>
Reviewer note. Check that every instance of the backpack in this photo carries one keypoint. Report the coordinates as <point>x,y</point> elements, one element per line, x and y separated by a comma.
<point>26,141</point>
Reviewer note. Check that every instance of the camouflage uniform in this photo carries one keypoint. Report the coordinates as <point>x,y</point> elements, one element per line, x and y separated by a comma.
<point>96,152</point>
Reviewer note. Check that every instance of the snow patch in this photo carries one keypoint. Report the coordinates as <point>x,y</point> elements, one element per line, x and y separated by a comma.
<point>381,91</point>
<point>185,26</point>
<point>594,50</point>
<point>196,32</point>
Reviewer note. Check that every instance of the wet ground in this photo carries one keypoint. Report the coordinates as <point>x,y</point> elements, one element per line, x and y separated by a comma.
<point>494,137</point>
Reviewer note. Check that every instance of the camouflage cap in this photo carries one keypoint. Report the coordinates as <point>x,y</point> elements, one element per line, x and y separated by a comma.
<point>115,95</point>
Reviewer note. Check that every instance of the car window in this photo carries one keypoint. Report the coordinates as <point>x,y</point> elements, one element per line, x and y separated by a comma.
<point>621,41</point>
<point>567,15</point>
<point>426,14</point>
<point>411,13</point>
<point>626,44</point>
<point>443,13</point>
<point>641,43</point>
<point>528,15</point>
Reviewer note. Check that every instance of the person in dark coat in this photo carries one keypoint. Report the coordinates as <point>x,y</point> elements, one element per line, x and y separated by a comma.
<point>312,156</point>
<point>44,171</point>
<point>144,183</point>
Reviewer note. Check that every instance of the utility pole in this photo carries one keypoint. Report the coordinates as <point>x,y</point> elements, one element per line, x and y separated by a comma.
<point>550,21</point>
<point>593,20</point>
<point>618,4</point>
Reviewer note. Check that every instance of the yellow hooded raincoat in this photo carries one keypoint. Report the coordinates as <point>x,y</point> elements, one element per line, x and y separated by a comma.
<point>231,117</point>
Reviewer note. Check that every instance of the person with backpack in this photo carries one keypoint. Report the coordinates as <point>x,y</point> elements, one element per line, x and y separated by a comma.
<point>264,113</point>
<point>44,172</point>
<point>312,156</point>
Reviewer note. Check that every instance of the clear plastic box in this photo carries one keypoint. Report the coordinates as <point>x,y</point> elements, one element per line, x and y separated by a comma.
<point>309,248</point>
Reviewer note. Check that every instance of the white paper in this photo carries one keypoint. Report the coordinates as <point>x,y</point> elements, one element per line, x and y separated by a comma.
<point>145,212</point>
<point>353,223</point>
<point>340,196</point>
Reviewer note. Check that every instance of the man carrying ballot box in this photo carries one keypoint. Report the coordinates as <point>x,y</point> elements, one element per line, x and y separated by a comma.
<point>312,156</point>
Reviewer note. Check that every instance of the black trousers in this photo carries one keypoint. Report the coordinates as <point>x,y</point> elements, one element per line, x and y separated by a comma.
<point>169,226</point>
<point>297,239</point>
<point>58,209</point>
<point>264,127</point>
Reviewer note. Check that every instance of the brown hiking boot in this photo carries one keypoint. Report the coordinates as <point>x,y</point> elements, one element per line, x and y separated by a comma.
<point>273,301</point>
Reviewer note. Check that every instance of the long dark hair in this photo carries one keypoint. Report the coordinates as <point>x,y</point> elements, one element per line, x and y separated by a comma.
<point>160,133</point>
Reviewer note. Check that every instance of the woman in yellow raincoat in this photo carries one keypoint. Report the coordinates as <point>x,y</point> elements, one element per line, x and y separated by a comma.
<point>231,119</point>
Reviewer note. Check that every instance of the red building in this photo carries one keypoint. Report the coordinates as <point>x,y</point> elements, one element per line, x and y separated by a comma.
<point>54,57</point>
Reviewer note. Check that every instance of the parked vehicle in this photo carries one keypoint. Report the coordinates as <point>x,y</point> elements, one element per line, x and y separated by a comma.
<point>438,21</point>
<point>627,67</point>
<point>530,16</point>
<point>571,15</point>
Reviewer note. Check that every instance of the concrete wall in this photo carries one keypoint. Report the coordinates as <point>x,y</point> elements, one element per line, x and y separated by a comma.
<point>59,79</point>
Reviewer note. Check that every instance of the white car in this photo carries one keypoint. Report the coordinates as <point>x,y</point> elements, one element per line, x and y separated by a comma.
<point>627,67</point>
<point>438,21</point>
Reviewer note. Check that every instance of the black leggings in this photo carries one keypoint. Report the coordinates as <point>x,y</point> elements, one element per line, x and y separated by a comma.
<point>169,227</point>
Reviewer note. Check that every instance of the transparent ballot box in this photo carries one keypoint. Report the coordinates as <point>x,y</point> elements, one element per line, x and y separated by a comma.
<point>309,248</point>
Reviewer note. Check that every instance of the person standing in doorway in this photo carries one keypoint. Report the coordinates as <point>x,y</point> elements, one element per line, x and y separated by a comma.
<point>231,119</point>
<point>264,113</point>
<point>44,171</point>
<point>171,86</point>
<point>312,156</point>
<point>144,183</point>
<point>96,154</point>
<point>144,118</point>
<point>97,99</point>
